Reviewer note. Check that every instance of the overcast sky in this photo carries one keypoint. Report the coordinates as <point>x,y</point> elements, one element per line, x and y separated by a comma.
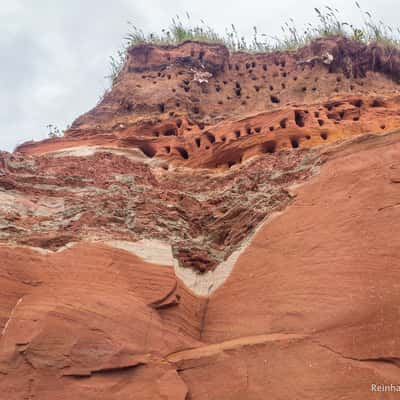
<point>55,53</point>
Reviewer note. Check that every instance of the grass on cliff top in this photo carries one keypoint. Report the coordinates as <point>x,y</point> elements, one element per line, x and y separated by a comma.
<point>329,24</point>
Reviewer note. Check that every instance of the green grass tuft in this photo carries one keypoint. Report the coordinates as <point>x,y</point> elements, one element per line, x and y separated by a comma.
<point>329,24</point>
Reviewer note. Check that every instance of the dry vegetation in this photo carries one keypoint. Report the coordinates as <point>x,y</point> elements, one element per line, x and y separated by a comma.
<point>329,24</point>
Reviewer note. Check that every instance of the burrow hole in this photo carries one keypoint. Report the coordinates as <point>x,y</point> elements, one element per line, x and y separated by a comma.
<point>275,99</point>
<point>182,151</point>
<point>299,118</point>
<point>324,135</point>
<point>269,147</point>
<point>294,141</point>
<point>210,137</point>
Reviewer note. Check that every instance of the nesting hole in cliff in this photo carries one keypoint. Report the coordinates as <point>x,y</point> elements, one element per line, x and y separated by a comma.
<point>231,163</point>
<point>383,126</point>
<point>271,87</point>
<point>356,119</point>
<point>147,149</point>
<point>283,123</point>
<point>357,103</point>
<point>269,147</point>
<point>257,129</point>
<point>179,123</point>
<point>210,137</point>
<point>237,134</point>
<point>308,137</point>
<point>316,114</point>
<point>275,99</point>
<point>324,135</point>
<point>170,132</point>
<point>299,118</point>
<point>321,122</point>
<point>198,142</point>
<point>223,139</point>
<point>156,134</point>
<point>167,149</point>
<point>294,141</point>
<point>265,68</point>
<point>271,128</point>
<point>161,107</point>
<point>334,116</point>
<point>183,153</point>
<point>257,88</point>
<point>378,103</point>
<point>248,130</point>
<point>238,92</point>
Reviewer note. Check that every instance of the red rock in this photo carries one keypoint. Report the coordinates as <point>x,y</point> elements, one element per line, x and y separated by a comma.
<point>172,246</point>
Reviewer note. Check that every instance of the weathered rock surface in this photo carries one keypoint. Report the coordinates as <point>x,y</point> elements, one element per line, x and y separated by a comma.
<point>221,226</point>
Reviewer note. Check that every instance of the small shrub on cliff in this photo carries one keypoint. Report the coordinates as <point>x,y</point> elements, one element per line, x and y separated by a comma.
<point>54,131</point>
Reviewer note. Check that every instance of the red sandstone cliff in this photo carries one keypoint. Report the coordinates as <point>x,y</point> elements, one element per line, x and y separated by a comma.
<point>220,226</point>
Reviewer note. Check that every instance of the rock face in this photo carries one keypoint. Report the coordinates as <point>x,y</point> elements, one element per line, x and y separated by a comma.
<point>221,226</point>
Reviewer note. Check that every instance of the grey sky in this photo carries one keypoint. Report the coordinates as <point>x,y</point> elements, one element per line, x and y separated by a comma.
<point>55,53</point>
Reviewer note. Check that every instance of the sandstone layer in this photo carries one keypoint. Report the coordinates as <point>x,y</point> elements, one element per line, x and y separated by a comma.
<point>220,226</point>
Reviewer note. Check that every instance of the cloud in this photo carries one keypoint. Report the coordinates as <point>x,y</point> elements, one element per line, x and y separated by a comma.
<point>55,56</point>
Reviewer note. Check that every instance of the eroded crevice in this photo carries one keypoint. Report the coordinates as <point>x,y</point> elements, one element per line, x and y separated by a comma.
<point>391,361</point>
<point>102,370</point>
